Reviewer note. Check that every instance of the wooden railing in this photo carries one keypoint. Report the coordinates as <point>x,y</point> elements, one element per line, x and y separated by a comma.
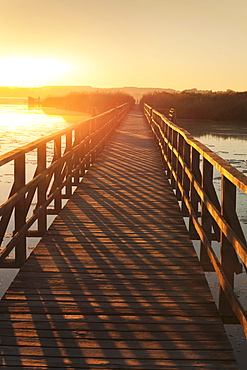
<point>59,162</point>
<point>189,166</point>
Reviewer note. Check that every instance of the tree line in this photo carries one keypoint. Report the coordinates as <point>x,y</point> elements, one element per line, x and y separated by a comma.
<point>227,105</point>
<point>95,102</point>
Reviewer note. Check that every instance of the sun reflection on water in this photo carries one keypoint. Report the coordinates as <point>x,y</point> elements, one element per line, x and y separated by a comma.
<point>20,125</point>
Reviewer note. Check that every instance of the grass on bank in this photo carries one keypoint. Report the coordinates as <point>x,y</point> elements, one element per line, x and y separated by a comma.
<point>88,102</point>
<point>227,105</point>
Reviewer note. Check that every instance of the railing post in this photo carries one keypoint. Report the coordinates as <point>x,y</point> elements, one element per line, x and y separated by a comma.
<point>93,141</point>
<point>69,164</point>
<point>174,139</point>
<point>57,174</point>
<point>169,152</point>
<point>164,127</point>
<point>83,152</point>
<point>103,133</point>
<point>78,155</point>
<point>178,165</point>
<point>89,145</point>
<point>161,132</point>
<point>228,256</point>
<point>87,148</point>
<point>194,198</point>
<point>20,208</point>
<point>42,189</point>
<point>206,218</point>
<point>185,179</point>
<point>151,119</point>
<point>150,116</point>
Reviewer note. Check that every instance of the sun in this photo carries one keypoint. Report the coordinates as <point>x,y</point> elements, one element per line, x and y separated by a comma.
<point>22,71</point>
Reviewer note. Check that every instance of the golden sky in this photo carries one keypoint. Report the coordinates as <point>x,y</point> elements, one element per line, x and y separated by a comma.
<point>179,44</point>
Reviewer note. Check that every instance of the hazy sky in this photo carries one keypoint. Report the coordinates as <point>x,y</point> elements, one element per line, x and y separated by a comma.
<point>113,43</point>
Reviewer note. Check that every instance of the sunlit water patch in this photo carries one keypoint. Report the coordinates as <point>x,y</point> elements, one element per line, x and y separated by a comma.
<point>20,124</point>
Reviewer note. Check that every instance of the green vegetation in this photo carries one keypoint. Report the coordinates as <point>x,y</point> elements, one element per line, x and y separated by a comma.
<point>227,105</point>
<point>89,102</point>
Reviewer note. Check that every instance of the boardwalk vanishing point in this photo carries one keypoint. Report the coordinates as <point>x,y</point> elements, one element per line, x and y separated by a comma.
<point>115,282</point>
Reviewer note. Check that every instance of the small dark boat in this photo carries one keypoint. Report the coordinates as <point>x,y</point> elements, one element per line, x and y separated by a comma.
<point>34,101</point>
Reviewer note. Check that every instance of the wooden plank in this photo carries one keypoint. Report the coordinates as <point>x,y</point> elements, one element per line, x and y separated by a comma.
<point>115,282</point>
<point>139,353</point>
<point>31,333</point>
<point>144,291</point>
<point>55,362</point>
<point>35,341</point>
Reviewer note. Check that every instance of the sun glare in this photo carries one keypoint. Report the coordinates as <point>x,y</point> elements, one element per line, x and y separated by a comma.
<point>30,72</point>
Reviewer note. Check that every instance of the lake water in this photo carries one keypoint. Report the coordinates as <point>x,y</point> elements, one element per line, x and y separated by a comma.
<point>19,125</point>
<point>227,139</point>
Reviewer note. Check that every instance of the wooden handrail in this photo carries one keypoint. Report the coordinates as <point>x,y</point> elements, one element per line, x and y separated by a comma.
<point>61,162</point>
<point>189,166</point>
<point>230,172</point>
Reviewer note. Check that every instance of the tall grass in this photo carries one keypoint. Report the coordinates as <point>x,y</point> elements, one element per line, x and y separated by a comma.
<point>95,102</point>
<point>227,105</point>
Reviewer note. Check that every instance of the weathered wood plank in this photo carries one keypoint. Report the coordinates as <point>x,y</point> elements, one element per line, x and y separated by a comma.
<point>138,353</point>
<point>55,362</point>
<point>35,341</point>
<point>131,335</point>
<point>55,309</point>
<point>144,291</point>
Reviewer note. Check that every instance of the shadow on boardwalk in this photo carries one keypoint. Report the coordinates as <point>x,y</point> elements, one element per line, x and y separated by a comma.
<point>115,282</point>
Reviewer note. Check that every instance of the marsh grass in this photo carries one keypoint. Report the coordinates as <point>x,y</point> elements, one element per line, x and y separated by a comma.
<point>227,105</point>
<point>95,102</point>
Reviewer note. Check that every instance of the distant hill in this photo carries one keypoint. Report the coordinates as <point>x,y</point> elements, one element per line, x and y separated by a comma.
<point>45,91</point>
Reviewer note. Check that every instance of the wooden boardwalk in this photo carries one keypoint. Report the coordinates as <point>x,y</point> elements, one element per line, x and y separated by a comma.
<point>115,282</point>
